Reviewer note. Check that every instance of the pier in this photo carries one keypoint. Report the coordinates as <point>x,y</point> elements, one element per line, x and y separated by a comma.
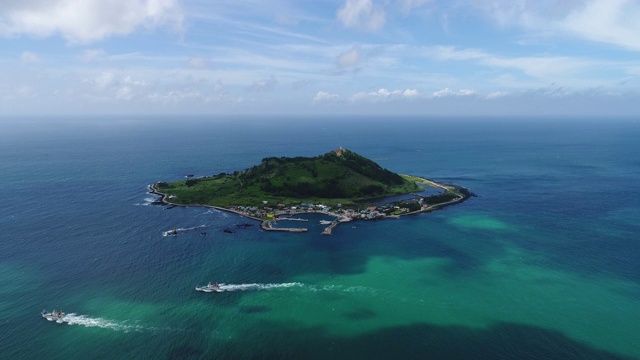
<point>268,226</point>
<point>329,229</point>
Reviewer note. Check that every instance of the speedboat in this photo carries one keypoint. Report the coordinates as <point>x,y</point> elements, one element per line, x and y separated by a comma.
<point>57,316</point>
<point>173,232</point>
<point>210,288</point>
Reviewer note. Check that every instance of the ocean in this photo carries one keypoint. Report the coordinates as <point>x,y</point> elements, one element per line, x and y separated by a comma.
<point>543,263</point>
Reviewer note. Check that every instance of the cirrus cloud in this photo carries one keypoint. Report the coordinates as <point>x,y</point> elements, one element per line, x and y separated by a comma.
<point>614,22</point>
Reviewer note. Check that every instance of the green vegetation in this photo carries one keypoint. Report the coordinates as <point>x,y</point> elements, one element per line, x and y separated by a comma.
<point>340,176</point>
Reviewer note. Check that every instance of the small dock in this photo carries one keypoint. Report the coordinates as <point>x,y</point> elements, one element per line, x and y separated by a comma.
<point>268,226</point>
<point>291,230</point>
<point>329,229</point>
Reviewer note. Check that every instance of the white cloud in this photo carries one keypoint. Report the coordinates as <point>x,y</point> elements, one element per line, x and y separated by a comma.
<point>536,66</point>
<point>349,58</point>
<point>187,92</point>
<point>408,5</point>
<point>92,54</point>
<point>448,92</point>
<point>323,96</point>
<point>125,93</point>
<point>443,92</point>
<point>361,14</point>
<point>199,62</point>
<point>496,94</point>
<point>385,95</point>
<point>176,96</point>
<point>410,93</point>
<point>116,86</point>
<point>104,80</point>
<point>614,22</point>
<point>264,85</point>
<point>87,20</point>
<point>467,92</point>
<point>128,80</point>
<point>28,57</point>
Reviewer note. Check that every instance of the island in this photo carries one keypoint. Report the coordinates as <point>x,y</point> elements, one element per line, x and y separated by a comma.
<point>340,184</point>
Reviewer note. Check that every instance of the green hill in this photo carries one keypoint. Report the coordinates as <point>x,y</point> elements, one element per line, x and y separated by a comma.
<point>340,176</point>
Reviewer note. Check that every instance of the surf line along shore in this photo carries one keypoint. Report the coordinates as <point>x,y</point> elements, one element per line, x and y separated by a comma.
<point>458,194</point>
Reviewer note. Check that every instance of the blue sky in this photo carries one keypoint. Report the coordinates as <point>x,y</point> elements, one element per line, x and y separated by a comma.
<point>314,57</point>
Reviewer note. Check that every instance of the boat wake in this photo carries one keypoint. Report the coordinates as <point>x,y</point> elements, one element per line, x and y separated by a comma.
<point>343,288</point>
<point>83,320</point>
<point>315,288</point>
<point>250,287</point>
<point>177,231</point>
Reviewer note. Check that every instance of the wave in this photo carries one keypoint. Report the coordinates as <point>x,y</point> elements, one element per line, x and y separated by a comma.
<point>151,199</point>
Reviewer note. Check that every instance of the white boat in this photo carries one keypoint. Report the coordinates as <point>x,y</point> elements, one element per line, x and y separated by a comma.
<point>177,231</point>
<point>57,316</point>
<point>210,288</point>
<point>173,232</point>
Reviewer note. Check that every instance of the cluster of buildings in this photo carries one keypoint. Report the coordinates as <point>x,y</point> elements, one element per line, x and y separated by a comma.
<point>370,213</point>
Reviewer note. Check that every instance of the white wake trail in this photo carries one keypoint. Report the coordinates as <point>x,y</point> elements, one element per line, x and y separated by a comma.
<point>177,231</point>
<point>255,286</point>
<point>83,320</point>
<point>315,288</point>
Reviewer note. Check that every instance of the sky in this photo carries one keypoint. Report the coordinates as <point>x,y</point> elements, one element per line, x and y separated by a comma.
<point>319,57</point>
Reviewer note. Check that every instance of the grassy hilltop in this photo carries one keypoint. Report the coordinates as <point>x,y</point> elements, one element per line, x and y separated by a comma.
<point>339,176</point>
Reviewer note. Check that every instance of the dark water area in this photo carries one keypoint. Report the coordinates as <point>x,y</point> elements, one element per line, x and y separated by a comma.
<point>542,264</point>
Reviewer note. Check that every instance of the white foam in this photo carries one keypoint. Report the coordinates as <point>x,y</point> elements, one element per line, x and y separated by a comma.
<point>255,286</point>
<point>181,230</point>
<point>316,288</point>
<point>342,288</point>
<point>212,211</point>
<point>83,320</point>
<point>149,200</point>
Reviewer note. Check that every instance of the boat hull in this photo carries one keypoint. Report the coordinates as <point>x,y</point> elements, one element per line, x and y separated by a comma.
<point>53,317</point>
<point>209,289</point>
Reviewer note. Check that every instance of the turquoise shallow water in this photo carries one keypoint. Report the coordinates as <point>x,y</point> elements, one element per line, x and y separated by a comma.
<point>542,264</point>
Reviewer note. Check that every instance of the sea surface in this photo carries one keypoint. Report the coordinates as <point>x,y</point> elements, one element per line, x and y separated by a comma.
<point>543,264</point>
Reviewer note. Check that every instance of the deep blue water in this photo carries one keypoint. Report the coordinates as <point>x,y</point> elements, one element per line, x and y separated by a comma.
<point>542,264</point>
